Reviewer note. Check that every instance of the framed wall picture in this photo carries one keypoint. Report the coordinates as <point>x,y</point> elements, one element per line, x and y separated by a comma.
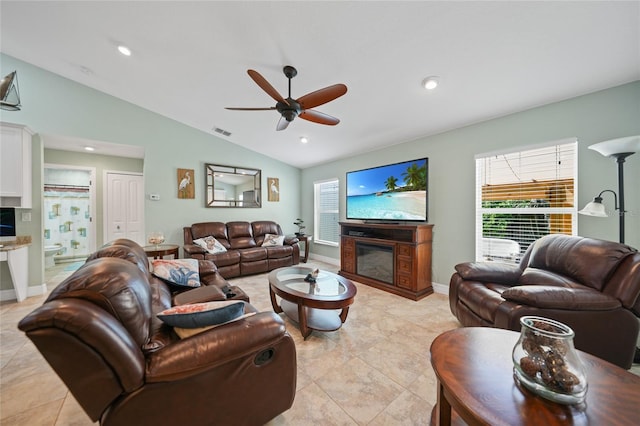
<point>186,184</point>
<point>273,188</point>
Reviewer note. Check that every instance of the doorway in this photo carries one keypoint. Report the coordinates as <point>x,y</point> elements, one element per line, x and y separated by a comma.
<point>69,205</point>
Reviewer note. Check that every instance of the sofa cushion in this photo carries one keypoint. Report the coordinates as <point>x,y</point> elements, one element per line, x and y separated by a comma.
<point>552,297</point>
<point>534,276</point>
<point>240,235</point>
<point>277,252</point>
<point>202,314</point>
<point>181,272</point>
<point>217,230</point>
<point>253,254</point>
<point>230,257</point>
<point>117,286</point>
<point>586,260</point>
<point>210,244</point>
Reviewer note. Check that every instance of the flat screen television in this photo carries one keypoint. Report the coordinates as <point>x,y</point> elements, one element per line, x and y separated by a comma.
<point>393,192</point>
<point>7,223</point>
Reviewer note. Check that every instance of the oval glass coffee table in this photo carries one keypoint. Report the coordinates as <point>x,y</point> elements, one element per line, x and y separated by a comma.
<point>322,306</point>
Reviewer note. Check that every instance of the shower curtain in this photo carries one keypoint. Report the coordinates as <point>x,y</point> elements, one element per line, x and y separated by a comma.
<point>66,219</point>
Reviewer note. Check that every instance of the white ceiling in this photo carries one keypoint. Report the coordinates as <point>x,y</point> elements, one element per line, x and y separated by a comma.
<point>190,59</point>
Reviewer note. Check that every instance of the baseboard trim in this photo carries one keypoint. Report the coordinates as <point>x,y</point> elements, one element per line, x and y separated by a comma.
<point>440,288</point>
<point>10,294</point>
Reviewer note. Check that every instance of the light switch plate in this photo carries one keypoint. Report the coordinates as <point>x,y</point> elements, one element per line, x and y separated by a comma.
<point>154,197</point>
<point>26,216</point>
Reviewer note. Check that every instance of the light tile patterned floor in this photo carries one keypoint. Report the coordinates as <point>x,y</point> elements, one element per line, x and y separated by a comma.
<point>375,370</point>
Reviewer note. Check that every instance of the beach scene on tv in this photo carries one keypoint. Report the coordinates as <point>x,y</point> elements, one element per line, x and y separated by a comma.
<point>392,192</point>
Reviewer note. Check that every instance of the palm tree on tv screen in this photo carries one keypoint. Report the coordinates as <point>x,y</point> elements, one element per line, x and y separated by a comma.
<point>391,183</point>
<point>416,177</point>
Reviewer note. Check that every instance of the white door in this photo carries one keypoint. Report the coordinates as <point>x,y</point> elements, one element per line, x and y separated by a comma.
<point>124,207</point>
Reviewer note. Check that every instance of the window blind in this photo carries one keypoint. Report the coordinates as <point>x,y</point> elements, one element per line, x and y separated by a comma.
<point>326,204</point>
<point>523,195</point>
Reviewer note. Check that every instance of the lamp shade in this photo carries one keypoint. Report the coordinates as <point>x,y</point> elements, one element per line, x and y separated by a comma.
<point>9,95</point>
<point>594,208</point>
<point>629,144</point>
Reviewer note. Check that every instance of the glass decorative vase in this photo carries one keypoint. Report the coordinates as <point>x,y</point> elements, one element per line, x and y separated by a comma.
<point>156,238</point>
<point>546,362</point>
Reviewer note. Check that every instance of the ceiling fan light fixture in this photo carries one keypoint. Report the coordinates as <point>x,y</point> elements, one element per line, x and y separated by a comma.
<point>124,50</point>
<point>430,83</point>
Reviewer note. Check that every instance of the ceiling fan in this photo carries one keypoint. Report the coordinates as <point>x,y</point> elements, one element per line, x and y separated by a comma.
<point>290,108</point>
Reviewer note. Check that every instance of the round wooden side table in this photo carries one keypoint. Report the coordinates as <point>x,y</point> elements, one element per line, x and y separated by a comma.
<point>162,250</point>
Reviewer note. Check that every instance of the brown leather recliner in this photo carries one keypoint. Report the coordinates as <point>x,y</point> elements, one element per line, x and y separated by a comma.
<point>99,331</point>
<point>591,285</point>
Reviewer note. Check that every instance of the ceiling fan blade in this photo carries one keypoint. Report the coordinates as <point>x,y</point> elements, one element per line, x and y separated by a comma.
<point>250,109</point>
<point>318,117</point>
<point>264,85</point>
<point>322,96</point>
<point>282,124</point>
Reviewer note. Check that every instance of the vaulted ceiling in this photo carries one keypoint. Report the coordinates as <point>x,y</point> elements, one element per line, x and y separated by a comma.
<point>190,59</point>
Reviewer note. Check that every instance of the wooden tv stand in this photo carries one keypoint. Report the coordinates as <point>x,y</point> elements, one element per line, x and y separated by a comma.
<point>410,248</point>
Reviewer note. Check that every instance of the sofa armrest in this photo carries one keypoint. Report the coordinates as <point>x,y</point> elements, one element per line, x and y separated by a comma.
<point>291,240</point>
<point>552,297</point>
<point>207,293</point>
<point>215,347</point>
<point>191,249</point>
<point>496,272</point>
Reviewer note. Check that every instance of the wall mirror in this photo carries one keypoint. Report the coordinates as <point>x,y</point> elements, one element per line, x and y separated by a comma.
<point>229,186</point>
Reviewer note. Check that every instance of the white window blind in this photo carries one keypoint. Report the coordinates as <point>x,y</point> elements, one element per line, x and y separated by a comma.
<point>326,204</point>
<point>522,196</point>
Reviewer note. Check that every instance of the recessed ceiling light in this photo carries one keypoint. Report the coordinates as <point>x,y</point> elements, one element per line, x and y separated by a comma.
<point>124,50</point>
<point>430,83</point>
<point>303,139</point>
<point>89,148</point>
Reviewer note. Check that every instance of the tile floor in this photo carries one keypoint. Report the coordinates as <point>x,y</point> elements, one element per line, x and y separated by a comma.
<point>375,370</point>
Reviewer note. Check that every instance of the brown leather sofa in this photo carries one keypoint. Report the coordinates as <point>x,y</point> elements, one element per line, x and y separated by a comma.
<point>99,331</point>
<point>245,254</point>
<point>591,285</point>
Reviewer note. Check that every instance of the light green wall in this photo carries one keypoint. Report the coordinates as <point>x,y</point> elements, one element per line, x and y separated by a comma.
<point>54,105</point>
<point>591,118</point>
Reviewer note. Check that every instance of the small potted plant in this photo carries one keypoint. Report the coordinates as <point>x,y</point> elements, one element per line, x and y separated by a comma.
<point>300,224</point>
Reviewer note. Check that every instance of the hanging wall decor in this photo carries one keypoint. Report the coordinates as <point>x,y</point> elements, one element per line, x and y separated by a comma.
<point>274,189</point>
<point>186,184</point>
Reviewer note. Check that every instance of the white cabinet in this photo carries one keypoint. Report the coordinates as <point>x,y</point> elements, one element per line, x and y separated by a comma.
<point>15,166</point>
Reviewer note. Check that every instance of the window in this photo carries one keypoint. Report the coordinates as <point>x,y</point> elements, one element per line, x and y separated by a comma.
<point>522,196</point>
<point>326,216</point>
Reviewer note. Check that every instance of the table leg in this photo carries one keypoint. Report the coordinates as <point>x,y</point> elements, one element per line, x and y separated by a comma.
<point>443,408</point>
<point>302,321</point>
<point>274,303</point>
<point>343,314</point>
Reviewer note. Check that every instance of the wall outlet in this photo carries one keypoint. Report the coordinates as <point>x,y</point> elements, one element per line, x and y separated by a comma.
<point>26,216</point>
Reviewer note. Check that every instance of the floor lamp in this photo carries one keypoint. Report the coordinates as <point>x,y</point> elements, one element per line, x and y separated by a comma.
<point>619,149</point>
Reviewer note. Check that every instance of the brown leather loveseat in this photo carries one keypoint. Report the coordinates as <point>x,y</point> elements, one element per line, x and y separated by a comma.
<point>99,331</point>
<point>591,285</point>
<point>244,252</point>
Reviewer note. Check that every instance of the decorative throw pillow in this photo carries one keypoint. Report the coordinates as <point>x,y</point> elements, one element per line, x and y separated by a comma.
<point>272,240</point>
<point>183,333</point>
<point>199,315</point>
<point>182,272</point>
<point>210,244</point>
